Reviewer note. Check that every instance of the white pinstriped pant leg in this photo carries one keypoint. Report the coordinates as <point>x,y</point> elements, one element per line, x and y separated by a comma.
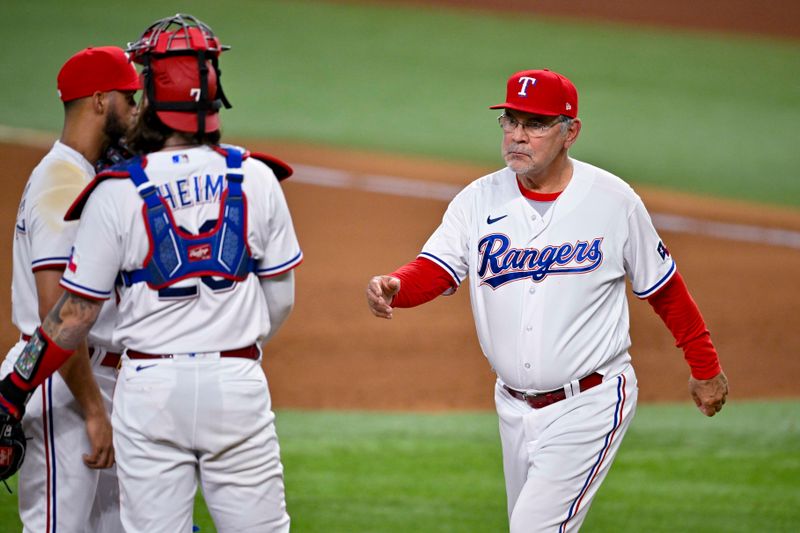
<point>555,458</point>
<point>177,421</point>
<point>57,492</point>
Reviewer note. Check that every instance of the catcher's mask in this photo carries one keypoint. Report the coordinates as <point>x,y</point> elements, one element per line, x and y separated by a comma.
<point>181,73</point>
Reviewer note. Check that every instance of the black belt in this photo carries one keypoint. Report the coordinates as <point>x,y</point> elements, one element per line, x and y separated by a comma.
<point>110,359</point>
<point>537,401</point>
<point>249,352</point>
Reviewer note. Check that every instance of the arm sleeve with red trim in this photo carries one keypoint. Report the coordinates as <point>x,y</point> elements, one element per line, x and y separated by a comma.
<point>680,313</point>
<point>274,239</point>
<point>97,252</point>
<point>421,281</point>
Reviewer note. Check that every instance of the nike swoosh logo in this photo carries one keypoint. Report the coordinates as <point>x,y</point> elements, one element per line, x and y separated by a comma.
<point>139,368</point>
<point>490,220</point>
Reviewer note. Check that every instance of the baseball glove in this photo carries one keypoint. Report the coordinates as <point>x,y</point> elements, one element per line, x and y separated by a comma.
<point>12,445</point>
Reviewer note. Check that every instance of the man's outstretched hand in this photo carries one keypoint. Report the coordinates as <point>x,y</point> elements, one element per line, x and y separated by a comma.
<point>381,290</point>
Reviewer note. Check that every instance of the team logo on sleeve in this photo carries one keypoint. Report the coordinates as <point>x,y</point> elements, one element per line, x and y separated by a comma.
<point>499,263</point>
<point>72,265</point>
<point>662,250</point>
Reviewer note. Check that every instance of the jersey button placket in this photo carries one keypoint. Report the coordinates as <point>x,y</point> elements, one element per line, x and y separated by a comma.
<point>529,328</point>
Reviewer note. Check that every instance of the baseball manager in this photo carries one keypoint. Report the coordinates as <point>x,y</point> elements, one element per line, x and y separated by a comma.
<point>547,244</point>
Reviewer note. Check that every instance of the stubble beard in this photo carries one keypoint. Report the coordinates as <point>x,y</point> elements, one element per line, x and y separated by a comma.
<point>114,128</point>
<point>520,164</point>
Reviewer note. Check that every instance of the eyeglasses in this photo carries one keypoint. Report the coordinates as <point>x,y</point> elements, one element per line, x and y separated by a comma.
<point>534,128</point>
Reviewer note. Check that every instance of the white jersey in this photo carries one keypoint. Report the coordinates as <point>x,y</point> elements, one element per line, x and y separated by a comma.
<point>548,292</point>
<point>43,240</point>
<point>214,315</point>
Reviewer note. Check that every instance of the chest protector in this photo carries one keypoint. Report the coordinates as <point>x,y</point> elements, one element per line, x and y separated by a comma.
<point>174,254</point>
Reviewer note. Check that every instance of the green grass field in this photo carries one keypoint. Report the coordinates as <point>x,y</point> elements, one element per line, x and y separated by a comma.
<point>677,471</point>
<point>709,114</point>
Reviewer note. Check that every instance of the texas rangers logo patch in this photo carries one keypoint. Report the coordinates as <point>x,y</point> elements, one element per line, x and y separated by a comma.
<point>662,250</point>
<point>72,265</point>
<point>501,264</point>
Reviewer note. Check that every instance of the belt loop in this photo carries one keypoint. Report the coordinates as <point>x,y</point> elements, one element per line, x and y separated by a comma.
<point>573,388</point>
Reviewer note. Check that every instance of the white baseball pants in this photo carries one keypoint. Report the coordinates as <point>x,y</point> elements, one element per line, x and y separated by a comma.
<point>556,457</point>
<point>195,419</point>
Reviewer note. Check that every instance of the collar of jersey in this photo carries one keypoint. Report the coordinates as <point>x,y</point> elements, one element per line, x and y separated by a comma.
<point>537,196</point>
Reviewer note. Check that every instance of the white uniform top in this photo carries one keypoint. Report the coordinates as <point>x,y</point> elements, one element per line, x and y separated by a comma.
<point>548,293</point>
<point>112,238</point>
<point>43,239</point>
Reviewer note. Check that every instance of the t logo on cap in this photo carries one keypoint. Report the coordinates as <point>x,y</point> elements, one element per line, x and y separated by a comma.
<point>554,95</point>
<point>525,81</point>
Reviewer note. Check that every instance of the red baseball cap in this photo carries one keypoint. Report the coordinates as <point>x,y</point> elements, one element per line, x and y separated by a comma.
<point>542,92</point>
<point>177,79</point>
<point>104,68</point>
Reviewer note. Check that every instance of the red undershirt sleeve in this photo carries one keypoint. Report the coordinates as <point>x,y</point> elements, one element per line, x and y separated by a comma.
<point>421,281</point>
<point>680,313</point>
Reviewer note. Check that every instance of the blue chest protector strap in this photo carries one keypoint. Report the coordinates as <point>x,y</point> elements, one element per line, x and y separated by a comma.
<point>174,254</point>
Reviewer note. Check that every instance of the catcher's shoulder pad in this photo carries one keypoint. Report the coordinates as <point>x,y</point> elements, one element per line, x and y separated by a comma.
<point>117,171</point>
<point>281,169</point>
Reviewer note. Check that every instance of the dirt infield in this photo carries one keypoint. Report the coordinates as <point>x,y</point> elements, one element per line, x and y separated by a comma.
<point>333,354</point>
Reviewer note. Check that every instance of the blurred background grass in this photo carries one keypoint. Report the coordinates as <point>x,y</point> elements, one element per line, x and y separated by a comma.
<point>704,113</point>
<point>677,471</point>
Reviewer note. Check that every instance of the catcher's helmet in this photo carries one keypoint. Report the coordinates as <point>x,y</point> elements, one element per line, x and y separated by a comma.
<point>181,72</point>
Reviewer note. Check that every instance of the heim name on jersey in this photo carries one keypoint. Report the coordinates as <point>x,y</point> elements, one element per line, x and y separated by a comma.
<point>195,190</point>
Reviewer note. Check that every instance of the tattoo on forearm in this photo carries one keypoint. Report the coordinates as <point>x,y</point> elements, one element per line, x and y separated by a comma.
<point>70,320</point>
<point>55,312</point>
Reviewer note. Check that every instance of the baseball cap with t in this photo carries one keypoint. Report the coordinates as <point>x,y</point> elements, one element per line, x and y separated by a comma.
<point>103,68</point>
<point>542,92</point>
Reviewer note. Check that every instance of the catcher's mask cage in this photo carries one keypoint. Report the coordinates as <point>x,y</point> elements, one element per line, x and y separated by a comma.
<point>182,35</point>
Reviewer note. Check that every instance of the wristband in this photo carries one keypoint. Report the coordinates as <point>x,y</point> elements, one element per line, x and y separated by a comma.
<point>40,358</point>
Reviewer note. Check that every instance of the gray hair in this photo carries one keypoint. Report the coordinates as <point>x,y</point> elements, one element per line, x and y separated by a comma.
<point>566,122</point>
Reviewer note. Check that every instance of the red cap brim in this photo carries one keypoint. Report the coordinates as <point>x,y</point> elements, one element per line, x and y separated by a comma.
<point>529,109</point>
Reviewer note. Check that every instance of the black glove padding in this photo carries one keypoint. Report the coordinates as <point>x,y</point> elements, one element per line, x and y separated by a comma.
<point>12,444</point>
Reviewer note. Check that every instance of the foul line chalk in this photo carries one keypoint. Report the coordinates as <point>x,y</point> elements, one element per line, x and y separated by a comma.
<point>428,190</point>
